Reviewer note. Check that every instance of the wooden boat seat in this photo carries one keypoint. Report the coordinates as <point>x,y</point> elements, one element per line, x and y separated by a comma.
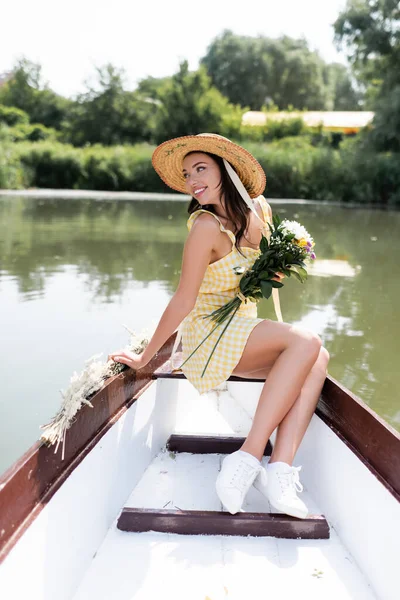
<point>165,371</point>
<point>212,522</point>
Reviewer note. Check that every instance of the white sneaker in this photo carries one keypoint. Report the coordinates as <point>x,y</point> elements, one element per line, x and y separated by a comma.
<point>237,474</point>
<point>279,482</point>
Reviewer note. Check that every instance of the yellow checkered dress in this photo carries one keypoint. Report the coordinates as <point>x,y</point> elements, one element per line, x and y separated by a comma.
<point>219,285</point>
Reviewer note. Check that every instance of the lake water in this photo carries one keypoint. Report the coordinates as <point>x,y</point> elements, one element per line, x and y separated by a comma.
<point>72,272</point>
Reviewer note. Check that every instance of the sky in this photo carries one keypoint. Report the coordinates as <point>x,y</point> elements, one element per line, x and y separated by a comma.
<point>70,39</point>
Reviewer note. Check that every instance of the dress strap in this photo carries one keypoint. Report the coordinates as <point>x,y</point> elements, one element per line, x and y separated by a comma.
<point>193,216</point>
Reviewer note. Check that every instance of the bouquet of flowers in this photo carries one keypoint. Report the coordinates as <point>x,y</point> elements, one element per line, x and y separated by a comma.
<point>286,251</point>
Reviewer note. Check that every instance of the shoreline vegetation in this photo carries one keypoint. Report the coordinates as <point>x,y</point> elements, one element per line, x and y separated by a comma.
<point>295,168</point>
<point>67,194</point>
<point>266,94</point>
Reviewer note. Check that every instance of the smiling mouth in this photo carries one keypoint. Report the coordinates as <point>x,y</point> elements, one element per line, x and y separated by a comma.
<point>199,191</point>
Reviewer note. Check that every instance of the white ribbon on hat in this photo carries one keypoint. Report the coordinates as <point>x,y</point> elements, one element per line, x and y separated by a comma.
<point>245,195</point>
<point>275,293</point>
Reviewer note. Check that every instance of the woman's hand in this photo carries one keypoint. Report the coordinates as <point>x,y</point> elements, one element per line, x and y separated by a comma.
<point>278,276</point>
<point>134,361</point>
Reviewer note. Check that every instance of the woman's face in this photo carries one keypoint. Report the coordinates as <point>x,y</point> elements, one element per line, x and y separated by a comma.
<point>203,177</point>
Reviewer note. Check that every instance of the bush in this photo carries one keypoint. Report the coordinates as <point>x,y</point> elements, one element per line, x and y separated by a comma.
<point>293,166</point>
<point>301,142</point>
<point>250,133</point>
<point>12,175</point>
<point>36,132</point>
<point>326,180</point>
<point>13,116</point>
<point>231,122</point>
<point>30,132</point>
<point>120,168</point>
<point>296,169</point>
<point>290,129</point>
<point>275,130</point>
<point>287,169</point>
<point>371,177</point>
<point>51,165</point>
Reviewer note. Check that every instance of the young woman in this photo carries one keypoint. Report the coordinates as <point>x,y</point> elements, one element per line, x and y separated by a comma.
<point>227,217</point>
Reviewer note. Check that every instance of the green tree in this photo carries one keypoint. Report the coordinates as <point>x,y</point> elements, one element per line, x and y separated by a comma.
<point>385,133</point>
<point>239,68</point>
<point>260,71</point>
<point>190,105</point>
<point>343,93</point>
<point>25,90</point>
<point>11,116</point>
<point>298,75</point>
<point>107,114</point>
<point>151,87</point>
<point>370,31</point>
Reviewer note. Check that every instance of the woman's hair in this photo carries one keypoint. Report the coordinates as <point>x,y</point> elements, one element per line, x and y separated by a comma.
<point>236,208</point>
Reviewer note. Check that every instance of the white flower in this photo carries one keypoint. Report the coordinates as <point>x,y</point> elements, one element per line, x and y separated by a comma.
<point>295,228</point>
<point>82,385</point>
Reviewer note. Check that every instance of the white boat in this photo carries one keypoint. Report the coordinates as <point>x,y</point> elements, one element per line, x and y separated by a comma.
<point>131,512</point>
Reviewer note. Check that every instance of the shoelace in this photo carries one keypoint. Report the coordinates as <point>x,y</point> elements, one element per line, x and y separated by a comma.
<point>242,474</point>
<point>290,482</point>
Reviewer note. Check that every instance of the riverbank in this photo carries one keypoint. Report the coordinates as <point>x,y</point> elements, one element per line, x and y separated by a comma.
<point>46,193</point>
<point>92,195</point>
<point>295,168</point>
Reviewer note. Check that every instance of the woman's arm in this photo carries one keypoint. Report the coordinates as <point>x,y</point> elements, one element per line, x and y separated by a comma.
<point>196,257</point>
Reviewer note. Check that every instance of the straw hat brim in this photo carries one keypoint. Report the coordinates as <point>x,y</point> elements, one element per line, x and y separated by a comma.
<point>168,157</point>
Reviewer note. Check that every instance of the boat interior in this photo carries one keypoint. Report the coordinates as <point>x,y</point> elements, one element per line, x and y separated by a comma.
<point>137,515</point>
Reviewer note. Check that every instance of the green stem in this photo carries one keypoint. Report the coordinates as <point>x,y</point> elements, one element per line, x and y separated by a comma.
<point>217,342</point>
<point>202,342</point>
<point>224,310</point>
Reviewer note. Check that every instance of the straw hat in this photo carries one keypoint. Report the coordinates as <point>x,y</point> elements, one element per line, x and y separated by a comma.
<point>168,157</point>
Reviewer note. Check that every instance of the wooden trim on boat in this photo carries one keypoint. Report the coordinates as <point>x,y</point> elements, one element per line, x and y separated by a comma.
<point>217,522</point>
<point>374,441</point>
<point>208,522</point>
<point>27,486</point>
<point>209,444</point>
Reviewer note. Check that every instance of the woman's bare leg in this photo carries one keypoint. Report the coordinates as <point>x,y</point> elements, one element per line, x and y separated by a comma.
<point>292,428</point>
<point>289,354</point>
<point>294,425</point>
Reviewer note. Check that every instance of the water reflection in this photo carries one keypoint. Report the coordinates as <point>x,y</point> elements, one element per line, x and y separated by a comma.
<point>332,268</point>
<point>76,262</point>
<point>112,243</point>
